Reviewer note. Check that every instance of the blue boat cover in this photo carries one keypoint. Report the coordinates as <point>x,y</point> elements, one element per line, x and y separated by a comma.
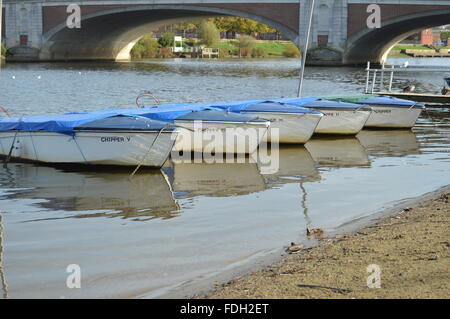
<point>298,101</point>
<point>214,116</point>
<point>388,100</point>
<point>66,123</point>
<point>269,107</point>
<point>125,123</point>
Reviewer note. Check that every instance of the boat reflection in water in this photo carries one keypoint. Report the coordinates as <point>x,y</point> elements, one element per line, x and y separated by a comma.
<point>392,143</point>
<point>338,152</point>
<point>295,165</point>
<point>109,194</point>
<point>214,179</point>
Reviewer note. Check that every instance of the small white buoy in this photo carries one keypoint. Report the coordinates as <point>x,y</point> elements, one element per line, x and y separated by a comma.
<point>13,77</point>
<point>38,77</point>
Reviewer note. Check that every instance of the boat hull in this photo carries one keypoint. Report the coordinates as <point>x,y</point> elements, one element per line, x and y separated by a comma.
<point>292,128</point>
<point>94,148</point>
<point>342,122</point>
<point>393,117</point>
<point>219,137</point>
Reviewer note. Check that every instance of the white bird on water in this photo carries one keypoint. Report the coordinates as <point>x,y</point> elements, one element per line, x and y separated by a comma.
<point>406,64</point>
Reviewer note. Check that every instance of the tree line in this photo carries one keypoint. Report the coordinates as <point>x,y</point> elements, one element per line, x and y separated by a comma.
<point>227,24</point>
<point>209,35</point>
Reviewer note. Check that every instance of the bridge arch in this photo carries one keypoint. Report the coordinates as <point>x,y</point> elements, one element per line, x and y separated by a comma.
<point>110,34</point>
<point>374,44</point>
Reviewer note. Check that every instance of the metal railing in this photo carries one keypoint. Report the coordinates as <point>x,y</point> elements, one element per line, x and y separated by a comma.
<point>372,76</point>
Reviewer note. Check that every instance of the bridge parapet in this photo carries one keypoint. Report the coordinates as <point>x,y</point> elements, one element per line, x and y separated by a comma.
<point>36,29</point>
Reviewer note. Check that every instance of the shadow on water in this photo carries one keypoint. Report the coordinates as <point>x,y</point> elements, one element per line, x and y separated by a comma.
<point>109,194</point>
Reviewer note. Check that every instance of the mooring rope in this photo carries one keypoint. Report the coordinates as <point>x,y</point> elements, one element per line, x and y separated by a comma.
<point>429,117</point>
<point>1,146</point>
<point>5,111</point>
<point>8,158</point>
<point>79,148</point>
<point>148,151</point>
<point>34,147</point>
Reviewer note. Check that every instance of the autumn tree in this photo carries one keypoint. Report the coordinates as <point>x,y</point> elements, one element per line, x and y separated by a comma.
<point>208,33</point>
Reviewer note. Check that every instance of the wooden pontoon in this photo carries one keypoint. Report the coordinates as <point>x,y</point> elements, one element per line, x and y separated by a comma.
<point>442,100</point>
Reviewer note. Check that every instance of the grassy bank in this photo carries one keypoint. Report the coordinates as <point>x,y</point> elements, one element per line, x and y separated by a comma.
<point>396,51</point>
<point>271,48</point>
<point>411,249</point>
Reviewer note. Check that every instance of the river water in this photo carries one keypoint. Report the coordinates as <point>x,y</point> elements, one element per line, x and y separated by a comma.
<point>140,237</point>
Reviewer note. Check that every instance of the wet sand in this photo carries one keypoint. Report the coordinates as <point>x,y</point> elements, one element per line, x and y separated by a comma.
<point>411,247</point>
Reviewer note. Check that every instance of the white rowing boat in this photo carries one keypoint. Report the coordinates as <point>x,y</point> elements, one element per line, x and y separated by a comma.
<point>219,132</point>
<point>205,129</point>
<point>289,124</point>
<point>83,139</point>
<point>340,118</point>
<point>388,111</point>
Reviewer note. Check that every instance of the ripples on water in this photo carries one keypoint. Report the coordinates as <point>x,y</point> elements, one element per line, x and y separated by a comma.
<point>164,227</point>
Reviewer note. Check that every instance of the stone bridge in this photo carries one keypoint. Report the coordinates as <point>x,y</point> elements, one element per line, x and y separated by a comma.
<point>36,30</point>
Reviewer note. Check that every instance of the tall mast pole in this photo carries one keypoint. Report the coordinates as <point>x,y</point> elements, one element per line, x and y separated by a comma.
<point>305,49</point>
<point>1,24</point>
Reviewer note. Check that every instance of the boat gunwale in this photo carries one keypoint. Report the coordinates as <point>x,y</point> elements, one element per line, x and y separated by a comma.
<point>253,122</point>
<point>163,131</point>
<point>337,108</point>
<point>315,113</point>
<point>403,107</point>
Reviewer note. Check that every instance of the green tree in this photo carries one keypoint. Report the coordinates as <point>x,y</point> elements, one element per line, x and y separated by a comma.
<point>291,51</point>
<point>245,45</point>
<point>445,35</point>
<point>166,40</point>
<point>184,26</point>
<point>242,25</point>
<point>146,47</point>
<point>208,33</point>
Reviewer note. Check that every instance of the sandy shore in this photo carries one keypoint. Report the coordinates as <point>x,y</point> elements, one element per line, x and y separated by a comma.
<point>410,247</point>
